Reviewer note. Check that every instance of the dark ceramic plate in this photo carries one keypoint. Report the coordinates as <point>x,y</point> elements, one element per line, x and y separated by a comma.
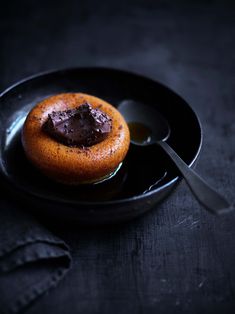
<point>146,176</point>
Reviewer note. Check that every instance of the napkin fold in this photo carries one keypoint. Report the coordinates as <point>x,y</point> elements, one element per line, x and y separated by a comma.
<point>32,260</point>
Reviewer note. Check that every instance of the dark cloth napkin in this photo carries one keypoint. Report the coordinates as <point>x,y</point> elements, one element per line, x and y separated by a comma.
<point>32,260</point>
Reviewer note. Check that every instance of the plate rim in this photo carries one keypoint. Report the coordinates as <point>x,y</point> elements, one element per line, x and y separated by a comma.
<point>124,72</point>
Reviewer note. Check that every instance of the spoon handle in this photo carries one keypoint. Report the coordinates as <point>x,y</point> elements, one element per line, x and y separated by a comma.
<point>207,196</point>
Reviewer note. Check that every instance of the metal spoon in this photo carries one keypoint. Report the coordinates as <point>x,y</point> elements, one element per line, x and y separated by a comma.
<point>147,126</point>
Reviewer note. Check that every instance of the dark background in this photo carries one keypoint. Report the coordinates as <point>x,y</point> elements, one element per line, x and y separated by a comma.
<point>178,258</point>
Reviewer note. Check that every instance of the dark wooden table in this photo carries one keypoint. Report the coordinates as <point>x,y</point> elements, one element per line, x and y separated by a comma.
<point>178,258</point>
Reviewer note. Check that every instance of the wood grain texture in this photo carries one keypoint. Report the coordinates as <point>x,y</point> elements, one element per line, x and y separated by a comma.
<point>178,258</point>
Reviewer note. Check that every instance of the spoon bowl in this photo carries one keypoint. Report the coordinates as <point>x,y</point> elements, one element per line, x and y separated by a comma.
<point>146,124</point>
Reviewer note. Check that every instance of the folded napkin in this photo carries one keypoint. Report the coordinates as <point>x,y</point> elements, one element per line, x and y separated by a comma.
<point>32,260</point>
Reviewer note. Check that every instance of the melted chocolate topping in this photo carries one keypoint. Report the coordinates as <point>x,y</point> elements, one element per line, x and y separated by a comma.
<point>82,126</point>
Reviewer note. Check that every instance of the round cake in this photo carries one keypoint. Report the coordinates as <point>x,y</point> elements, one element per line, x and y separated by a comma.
<point>75,138</point>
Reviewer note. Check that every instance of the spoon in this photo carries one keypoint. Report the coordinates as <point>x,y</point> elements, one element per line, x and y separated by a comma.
<point>147,126</point>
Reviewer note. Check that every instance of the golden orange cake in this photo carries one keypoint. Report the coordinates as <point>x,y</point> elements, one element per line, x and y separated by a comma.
<point>75,138</point>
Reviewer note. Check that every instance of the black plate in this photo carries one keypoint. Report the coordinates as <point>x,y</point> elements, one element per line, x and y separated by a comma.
<point>146,176</point>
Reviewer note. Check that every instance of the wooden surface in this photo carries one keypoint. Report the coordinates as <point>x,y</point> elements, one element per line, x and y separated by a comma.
<point>178,258</point>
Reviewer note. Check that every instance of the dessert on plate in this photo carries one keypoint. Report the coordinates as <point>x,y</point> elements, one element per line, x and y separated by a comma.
<point>75,138</point>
